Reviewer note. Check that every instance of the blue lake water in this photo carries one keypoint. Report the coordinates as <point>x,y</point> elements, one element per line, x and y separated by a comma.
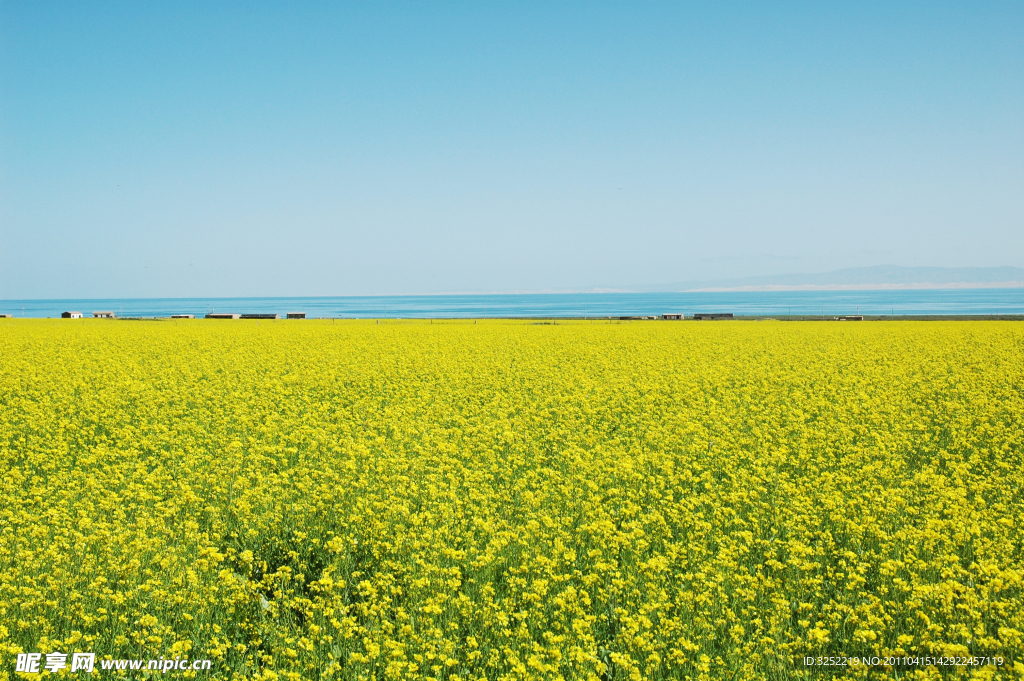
<point>898,302</point>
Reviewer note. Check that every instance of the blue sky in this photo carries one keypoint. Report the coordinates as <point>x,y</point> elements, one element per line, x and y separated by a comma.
<point>222,149</point>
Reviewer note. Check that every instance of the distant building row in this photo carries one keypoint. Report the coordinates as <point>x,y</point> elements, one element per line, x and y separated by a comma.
<point>102,314</point>
<point>698,315</point>
<point>106,314</point>
<point>235,315</point>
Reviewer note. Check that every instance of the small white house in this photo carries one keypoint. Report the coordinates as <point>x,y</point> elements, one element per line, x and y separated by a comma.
<point>71,315</point>
<point>104,314</point>
<point>673,315</point>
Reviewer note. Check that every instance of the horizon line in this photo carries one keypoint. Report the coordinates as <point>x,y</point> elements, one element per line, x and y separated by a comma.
<point>764,288</point>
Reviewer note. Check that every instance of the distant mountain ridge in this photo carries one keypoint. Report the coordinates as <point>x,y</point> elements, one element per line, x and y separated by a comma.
<point>878,277</point>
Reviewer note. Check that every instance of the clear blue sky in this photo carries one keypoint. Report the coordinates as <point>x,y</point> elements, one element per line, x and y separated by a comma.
<point>220,149</point>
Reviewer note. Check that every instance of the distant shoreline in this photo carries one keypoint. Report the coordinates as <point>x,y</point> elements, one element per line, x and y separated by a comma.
<point>553,319</point>
<point>860,287</point>
<point>917,302</point>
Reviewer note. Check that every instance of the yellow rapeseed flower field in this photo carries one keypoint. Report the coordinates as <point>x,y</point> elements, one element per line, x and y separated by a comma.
<point>509,500</point>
